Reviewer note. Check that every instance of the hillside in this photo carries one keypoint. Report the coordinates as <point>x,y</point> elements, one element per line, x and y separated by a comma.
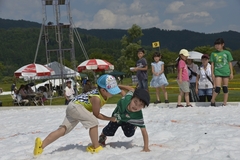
<point>18,43</point>
<point>173,40</point>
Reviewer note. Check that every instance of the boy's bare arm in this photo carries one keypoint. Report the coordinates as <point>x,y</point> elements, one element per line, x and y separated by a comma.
<point>125,87</point>
<point>96,105</point>
<point>145,140</point>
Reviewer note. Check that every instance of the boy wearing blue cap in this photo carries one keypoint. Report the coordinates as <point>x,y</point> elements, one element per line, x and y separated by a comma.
<point>79,110</point>
<point>129,115</point>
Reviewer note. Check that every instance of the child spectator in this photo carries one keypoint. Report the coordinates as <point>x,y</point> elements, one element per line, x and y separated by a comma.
<point>68,92</point>
<point>141,70</point>
<point>129,116</point>
<point>222,70</point>
<point>182,78</point>
<point>204,84</point>
<point>84,108</point>
<point>159,80</point>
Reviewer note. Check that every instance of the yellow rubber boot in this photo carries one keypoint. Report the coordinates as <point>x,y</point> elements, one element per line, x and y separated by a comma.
<point>38,147</point>
<point>94,150</point>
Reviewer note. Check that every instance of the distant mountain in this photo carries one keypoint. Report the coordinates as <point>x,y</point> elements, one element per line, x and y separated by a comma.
<point>173,40</point>
<point>7,23</point>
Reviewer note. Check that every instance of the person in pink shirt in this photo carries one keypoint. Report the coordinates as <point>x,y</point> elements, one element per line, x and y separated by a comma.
<point>183,78</point>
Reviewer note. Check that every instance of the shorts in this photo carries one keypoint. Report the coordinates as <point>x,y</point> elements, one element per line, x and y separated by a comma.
<point>223,76</point>
<point>111,128</point>
<point>205,92</point>
<point>184,86</point>
<point>76,113</point>
<point>143,84</point>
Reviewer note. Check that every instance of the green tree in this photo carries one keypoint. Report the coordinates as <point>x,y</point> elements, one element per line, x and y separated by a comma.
<point>130,44</point>
<point>205,49</point>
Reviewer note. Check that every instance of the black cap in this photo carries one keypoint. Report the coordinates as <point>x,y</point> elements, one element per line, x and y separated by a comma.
<point>143,95</point>
<point>205,56</point>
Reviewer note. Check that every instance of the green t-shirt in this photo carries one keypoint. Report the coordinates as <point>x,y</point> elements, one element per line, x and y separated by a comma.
<point>123,115</point>
<point>221,61</point>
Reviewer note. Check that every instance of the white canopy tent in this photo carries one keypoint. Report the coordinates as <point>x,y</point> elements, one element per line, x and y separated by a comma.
<point>56,67</point>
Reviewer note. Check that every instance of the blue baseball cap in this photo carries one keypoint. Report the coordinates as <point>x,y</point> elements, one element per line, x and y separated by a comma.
<point>109,83</point>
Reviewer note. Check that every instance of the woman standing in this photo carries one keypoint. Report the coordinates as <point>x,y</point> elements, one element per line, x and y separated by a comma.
<point>222,70</point>
<point>204,84</point>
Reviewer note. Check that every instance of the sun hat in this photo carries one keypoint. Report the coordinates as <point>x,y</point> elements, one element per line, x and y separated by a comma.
<point>205,56</point>
<point>143,95</point>
<point>68,80</point>
<point>184,52</point>
<point>109,83</point>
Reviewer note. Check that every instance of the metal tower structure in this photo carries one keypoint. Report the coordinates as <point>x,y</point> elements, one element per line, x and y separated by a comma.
<point>52,25</point>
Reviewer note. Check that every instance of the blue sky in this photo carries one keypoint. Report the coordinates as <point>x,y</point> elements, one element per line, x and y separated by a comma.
<point>205,16</point>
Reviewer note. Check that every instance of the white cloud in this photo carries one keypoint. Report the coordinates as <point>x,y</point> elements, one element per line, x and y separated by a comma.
<point>213,4</point>
<point>122,14</point>
<point>168,24</point>
<point>136,6</point>
<point>195,17</point>
<point>102,19</point>
<point>143,20</point>
<point>174,7</point>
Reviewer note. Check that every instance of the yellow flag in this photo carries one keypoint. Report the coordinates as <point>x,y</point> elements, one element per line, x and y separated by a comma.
<point>155,44</point>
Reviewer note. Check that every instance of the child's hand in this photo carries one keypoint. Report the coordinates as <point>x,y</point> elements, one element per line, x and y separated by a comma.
<point>231,76</point>
<point>180,81</point>
<point>146,149</point>
<point>113,119</point>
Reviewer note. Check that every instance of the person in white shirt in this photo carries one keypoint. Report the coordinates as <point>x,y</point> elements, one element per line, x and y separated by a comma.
<point>68,92</point>
<point>204,83</point>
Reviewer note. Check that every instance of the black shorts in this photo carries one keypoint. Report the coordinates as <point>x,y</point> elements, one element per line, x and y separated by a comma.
<point>223,76</point>
<point>111,128</point>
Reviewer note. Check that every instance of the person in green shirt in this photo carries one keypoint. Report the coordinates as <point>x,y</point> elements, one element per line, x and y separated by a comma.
<point>222,70</point>
<point>128,115</point>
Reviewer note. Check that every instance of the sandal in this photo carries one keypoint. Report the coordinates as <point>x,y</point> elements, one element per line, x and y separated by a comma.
<point>156,102</point>
<point>166,101</point>
<point>213,104</point>
<point>94,150</point>
<point>38,147</point>
<point>179,105</point>
<point>102,140</point>
<point>188,105</point>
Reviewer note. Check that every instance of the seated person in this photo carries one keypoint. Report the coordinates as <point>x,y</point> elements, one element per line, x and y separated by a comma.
<point>29,90</point>
<point>22,92</point>
<point>19,98</point>
<point>44,91</point>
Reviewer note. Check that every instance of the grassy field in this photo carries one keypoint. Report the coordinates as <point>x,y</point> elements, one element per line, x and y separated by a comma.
<point>172,89</point>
